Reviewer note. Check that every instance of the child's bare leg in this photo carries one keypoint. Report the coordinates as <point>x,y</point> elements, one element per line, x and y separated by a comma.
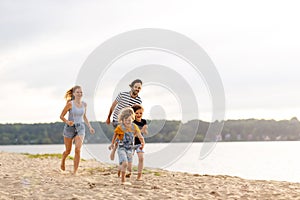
<point>119,170</point>
<point>123,171</point>
<point>140,165</point>
<point>129,169</point>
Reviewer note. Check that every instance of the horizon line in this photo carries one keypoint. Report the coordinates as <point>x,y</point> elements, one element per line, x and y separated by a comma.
<point>292,118</point>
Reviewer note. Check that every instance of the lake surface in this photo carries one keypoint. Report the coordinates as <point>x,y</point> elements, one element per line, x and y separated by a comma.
<point>251,160</point>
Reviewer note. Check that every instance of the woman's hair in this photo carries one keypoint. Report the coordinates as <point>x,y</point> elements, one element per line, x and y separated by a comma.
<point>135,81</point>
<point>125,113</point>
<point>136,107</point>
<point>69,94</point>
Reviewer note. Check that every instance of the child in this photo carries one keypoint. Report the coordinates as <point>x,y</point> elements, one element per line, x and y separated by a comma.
<point>125,133</point>
<point>142,124</point>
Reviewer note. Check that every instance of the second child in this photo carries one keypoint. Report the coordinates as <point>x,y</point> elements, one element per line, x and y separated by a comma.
<point>142,124</point>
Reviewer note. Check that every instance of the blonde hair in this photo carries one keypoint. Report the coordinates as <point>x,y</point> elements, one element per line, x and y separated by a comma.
<point>69,94</point>
<point>125,113</point>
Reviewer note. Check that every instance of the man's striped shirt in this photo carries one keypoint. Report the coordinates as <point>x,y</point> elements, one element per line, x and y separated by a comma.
<point>125,100</point>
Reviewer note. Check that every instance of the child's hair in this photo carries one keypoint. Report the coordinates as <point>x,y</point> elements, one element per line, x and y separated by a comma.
<point>69,94</point>
<point>136,81</point>
<point>136,107</point>
<point>125,113</point>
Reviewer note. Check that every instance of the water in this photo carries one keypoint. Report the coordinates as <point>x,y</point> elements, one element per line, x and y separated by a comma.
<point>251,160</point>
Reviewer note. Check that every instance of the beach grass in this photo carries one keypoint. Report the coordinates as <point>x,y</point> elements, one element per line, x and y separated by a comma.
<point>49,155</point>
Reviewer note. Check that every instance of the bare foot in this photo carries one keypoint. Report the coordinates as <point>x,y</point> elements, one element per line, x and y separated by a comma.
<point>139,177</point>
<point>62,166</point>
<point>125,183</point>
<point>119,172</point>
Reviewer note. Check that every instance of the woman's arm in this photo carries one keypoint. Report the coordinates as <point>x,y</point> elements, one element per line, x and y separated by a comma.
<point>92,131</point>
<point>67,107</point>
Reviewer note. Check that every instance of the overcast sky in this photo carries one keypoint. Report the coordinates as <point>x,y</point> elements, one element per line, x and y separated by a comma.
<point>254,45</point>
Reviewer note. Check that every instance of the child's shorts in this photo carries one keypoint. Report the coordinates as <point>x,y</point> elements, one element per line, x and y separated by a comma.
<point>137,148</point>
<point>125,155</point>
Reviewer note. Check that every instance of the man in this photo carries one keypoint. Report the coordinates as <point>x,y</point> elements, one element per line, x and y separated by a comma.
<point>125,99</point>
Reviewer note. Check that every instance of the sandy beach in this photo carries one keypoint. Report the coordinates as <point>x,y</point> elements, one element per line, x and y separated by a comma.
<point>23,177</point>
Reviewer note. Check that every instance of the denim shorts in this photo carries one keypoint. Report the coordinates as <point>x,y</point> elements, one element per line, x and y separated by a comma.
<point>71,132</point>
<point>125,155</point>
<point>137,148</point>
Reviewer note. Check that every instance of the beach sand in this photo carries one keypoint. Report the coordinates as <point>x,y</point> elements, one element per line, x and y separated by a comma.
<point>40,178</point>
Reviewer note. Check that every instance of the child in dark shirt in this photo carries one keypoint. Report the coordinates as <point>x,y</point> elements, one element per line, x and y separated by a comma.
<point>142,124</point>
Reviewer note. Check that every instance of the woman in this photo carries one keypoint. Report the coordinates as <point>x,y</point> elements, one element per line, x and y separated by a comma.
<point>74,128</point>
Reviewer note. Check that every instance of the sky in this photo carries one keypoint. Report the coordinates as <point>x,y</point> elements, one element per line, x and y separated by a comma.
<point>254,46</point>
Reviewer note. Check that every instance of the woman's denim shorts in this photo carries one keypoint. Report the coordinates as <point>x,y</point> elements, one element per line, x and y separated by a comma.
<point>72,131</point>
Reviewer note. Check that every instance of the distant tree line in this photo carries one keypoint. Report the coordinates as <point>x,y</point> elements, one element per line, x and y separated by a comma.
<point>159,131</point>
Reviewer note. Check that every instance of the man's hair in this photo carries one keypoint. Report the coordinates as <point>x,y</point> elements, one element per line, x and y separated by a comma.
<point>135,81</point>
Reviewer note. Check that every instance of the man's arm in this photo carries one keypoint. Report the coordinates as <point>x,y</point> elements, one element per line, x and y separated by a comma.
<point>113,105</point>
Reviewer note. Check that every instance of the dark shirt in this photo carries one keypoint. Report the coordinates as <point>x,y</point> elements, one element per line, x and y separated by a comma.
<point>140,125</point>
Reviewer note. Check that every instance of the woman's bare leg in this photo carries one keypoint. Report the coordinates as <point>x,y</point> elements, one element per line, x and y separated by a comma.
<point>78,145</point>
<point>68,146</point>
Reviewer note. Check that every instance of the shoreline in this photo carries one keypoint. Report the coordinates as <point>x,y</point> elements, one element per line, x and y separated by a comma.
<point>40,178</point>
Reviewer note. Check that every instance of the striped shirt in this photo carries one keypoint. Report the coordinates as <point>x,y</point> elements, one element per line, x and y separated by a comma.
<point>125,100</point>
